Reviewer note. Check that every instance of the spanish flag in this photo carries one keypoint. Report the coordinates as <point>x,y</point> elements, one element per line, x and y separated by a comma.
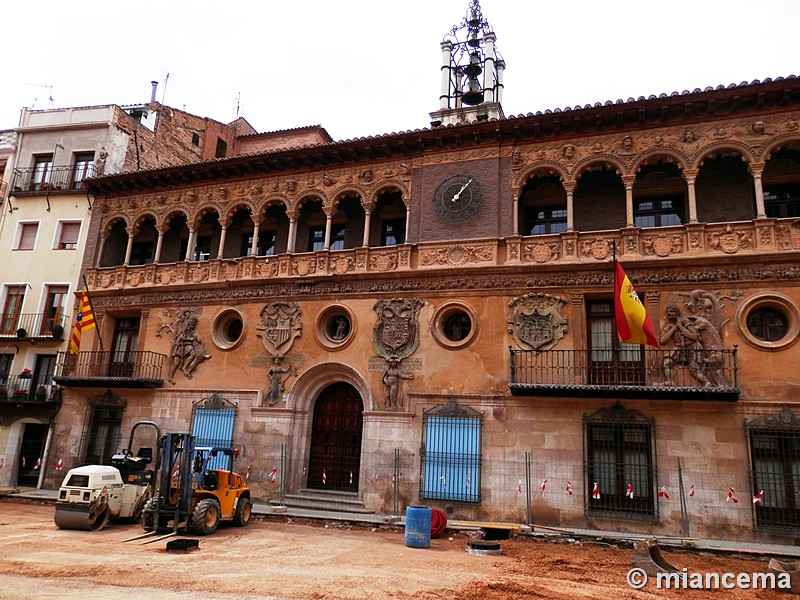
<point>633,324</point>
<point>84,320</point>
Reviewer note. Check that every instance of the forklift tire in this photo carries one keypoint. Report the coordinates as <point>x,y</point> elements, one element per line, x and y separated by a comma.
<point>149,515</point>
<point>205,517</point>
<point>244,510</point>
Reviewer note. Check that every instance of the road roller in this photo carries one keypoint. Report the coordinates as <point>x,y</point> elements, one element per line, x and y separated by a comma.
<point>92,495</point>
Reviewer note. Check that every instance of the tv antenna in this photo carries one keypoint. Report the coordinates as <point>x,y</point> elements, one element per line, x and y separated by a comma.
<point>49,96</point>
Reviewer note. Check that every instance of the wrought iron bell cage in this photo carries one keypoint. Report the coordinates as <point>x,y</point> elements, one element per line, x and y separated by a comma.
<point>472,67</point>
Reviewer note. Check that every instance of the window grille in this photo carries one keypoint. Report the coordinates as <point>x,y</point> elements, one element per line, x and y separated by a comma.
<point>212,425</point>
<point>451,453</point>
<point>775,470</point>
<point>620,464</point>
<point>101,438</point>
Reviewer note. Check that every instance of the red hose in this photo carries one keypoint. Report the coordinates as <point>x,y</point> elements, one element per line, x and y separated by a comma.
<point>438,522</point>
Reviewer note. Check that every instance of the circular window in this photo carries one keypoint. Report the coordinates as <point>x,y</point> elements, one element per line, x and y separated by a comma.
<point>454,325</point>
<point>228,329</point>
<point>335,327</point>
<point>769,321</point>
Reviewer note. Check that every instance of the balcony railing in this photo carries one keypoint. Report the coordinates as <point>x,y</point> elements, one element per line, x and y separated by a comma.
<point>110,369</point>
<point>14,388</point>
<point>32,326</point>
<point>64,179</point>
<point>630,373</point>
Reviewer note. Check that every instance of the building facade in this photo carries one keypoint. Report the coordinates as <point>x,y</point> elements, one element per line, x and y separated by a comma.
<point>428,316</point>
<point>44,227</point>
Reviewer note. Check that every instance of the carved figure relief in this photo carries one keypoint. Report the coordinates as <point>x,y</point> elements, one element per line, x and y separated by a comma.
<point>730,241</point>
<point>187,351</point>
<point>396,332</point>
<point>536,322</point>
<point>696,340</point>
<point>392,378</point>
<point>279,326</point>
<point>274,393</point>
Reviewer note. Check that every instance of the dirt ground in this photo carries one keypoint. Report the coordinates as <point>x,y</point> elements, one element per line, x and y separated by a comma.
<point>280,558</point>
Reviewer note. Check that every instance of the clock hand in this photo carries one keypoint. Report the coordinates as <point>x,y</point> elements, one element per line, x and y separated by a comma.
<point>463,187</point>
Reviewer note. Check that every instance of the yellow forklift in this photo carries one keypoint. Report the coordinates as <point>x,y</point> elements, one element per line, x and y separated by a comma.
<point>191,497</point>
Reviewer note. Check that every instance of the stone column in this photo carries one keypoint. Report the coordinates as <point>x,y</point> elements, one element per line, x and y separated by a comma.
<point>569,188</point>
<point>292,234</point>
<point>190,244</point>
<point>368,208</point>
<point>328,226</point>
<point>221,248</point>
<point>256,233</point>
<point>159,243</point>
<point>757,169</point>
<point>690,175</point>
<point>129,248</point>
<point>628,181</point>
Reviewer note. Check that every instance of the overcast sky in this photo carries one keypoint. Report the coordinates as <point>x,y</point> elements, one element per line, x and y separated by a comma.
<point>368,67</point>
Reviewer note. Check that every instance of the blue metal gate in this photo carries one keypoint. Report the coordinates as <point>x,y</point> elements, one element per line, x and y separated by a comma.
<point>212,425</point>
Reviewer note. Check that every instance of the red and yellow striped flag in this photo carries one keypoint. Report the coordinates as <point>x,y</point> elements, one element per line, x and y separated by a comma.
<point>84,320</point>
<point>633,324</point>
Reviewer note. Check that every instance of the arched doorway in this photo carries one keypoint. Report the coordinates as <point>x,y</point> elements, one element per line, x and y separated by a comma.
<point>335,456</point>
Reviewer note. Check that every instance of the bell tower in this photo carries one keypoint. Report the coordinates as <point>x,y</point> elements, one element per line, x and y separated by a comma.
<point>472,73</point>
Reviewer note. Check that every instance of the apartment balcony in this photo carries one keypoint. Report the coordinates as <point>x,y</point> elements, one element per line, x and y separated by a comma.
<point>32,327</point>
<point>110,369</point>
<point>20,389</point>
<point>53,179</point>
<point>630,373</point>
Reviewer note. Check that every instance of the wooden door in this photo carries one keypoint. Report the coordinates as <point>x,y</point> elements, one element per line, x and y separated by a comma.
<point>335,456</point>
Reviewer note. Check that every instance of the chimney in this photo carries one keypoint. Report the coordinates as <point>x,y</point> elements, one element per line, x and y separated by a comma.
<point>153,94</point>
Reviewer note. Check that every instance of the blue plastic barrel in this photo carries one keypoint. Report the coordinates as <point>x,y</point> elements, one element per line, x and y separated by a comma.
<point>418,527</point>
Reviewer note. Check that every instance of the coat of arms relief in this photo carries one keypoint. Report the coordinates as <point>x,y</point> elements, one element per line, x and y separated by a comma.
<point>280,324</point>
<point>396,337</point>
<point>536,322</point>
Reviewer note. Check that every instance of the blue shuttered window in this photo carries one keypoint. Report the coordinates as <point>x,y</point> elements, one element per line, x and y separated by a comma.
<point>451,457</point>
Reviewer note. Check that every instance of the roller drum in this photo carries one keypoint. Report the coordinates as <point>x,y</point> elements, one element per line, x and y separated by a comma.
<point>87,517</point>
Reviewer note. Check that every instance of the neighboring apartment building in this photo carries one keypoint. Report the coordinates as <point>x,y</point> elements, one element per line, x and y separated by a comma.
<point>428,317</point>
<point>44,227</point>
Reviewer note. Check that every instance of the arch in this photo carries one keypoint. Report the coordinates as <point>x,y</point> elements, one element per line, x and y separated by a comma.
<point>270,201</point>
<point>739,148</point>
<point>605,160</point>
<point>111,222</point>
<point>163,224</point>
<point>141,218</point>
<point>669,154</point>
<point>388,187</point>
<point>545,167</point>
<point>226,216</point>
<point>309,196</point>
<point>347,192</point>
<point>779,143</point>
<point>196,219</point>
<point>309,385</point>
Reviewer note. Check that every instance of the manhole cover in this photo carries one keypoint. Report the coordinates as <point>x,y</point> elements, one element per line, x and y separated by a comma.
<point>484,548</point>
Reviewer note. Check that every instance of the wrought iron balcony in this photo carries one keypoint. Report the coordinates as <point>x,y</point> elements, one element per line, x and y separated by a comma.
<point>110,369</point>
<point>32,327</point>
<point>18,388</point>
<point>53,179</point>
<point>629,373</point>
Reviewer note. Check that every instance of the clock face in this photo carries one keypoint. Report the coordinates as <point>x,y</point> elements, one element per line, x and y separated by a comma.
<point>457,198</point>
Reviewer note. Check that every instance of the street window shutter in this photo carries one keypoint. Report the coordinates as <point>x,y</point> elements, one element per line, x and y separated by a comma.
<point>27,237</point>
<point>69,236</point>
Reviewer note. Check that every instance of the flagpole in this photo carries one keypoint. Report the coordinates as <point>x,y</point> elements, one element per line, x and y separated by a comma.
<point>97,325</point>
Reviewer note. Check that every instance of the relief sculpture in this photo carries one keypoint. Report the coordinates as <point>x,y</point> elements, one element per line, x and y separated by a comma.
<point>395,337</point>
<point>536,321</point>
<point>187,351</point>
<point>280,325</point>
<point>696,340</point>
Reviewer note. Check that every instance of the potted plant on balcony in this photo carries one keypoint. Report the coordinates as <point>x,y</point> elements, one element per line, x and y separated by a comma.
<point>57,331</point>
<point>22,332</point>
<point>25,374</point>
<point>20,395</point>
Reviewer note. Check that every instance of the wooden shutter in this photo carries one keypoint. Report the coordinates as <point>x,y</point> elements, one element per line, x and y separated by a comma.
<point>27,237</point>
